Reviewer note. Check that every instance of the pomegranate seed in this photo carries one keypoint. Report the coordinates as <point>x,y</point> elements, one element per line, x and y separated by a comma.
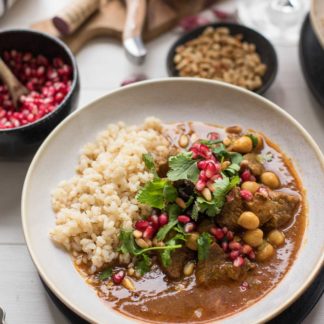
<point>246,195</point>
<point>141,225</point>
<point>210,169</point>
<point>230,235</point>
<point>149,232</point>
<point>200,185</point>
<point>238,262</point>
<point>225,230</point>
<point>235,245</point>
<point>202,165</point>
<point>246,175</point>
<point>189,227</point>
<point>234,254</point>
<point>251,255</point>
<point>118,277</point>
<point>246,249</point>
<point>217,232</point>
<point>212,136</point>
<point>163,219</point>
<point>184,219</point>
<point>154,219</point>
<point>245,284</point>
<point>203,176</point>
<point>225,246</point>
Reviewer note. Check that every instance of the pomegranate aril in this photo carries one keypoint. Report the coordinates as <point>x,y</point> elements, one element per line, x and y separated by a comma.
<point>141,225</point>
<point>225,246</point>
<point>225,230</point>
<point>246,175</point>
<point>235,245</point>
<point>246,195</point>
<point>234,254</point>
<point>163,219</point>
<point>212,136</point>
<point>230,235</point>
<point>202,165</point>
<point>217,232</point>
<point>251,255</point>
<point>184,219</point>
<point>246,249</point>
<point>118,277</point>
<point>200,185</point>
<point>203,176</point>
<point>210,169</point>
<point>189,227</point>
<point>238,262</point>
<point>149,232</point>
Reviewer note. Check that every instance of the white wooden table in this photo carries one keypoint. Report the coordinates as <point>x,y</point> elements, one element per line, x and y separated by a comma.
<point>102,67</point>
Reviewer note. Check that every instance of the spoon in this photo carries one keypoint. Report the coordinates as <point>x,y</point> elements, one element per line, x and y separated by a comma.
<point>2,316</point>
<point>16,89</point>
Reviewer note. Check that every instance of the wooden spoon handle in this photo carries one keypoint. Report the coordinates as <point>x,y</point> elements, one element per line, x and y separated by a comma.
<point>74,14</point>
<point>132,35</point>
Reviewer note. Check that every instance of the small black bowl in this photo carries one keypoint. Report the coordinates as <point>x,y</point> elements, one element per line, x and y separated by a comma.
<point>263,47</point>
<point>22,140</point>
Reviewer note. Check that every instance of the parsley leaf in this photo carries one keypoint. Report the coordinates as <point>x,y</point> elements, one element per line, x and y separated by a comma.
<point>172,244</point>
<point>127,241</point>
<point>173,212</point>
<point>156,192</point>
<point>223,186</point>
<point>204,241</point>
<point>106,274</point>
<point>232,170</point>
<point>143,264</point>
<point>210,142</point>
<point>254,139</point>
<point>236,158</point>
<point>195,211</point>
<point>183,167</point>
<point>221,152</point>
<point>149,163</point>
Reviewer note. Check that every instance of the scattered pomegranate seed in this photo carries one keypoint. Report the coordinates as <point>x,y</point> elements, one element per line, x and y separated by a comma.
<point>118,277</point>
<point>203,176</point>
<point>246,249</point>
<point>233,245</point>
<point>246,175</point>
<point>246,195</point>
<point>202,164</point>
<point>225,229</point>
<point>210,169</point>
<point>230,235</point>
<point>184,219</point>
<point>149,232</point>
<point>141,225</point>
<point>217,232</point>
<point>154,219</point>
<point>202,150</point>
<point>48,82</point>
<point>238,262</point>
<point>189,227</point>
<point>163,219</point>
<point>251,255</point>
<point>213,136</point>
<point>200,185</point>
<point>225,246</point>
<point>234,254</point>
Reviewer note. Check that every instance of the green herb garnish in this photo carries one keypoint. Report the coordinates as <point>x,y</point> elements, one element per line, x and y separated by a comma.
<point>166,254</point>
<point>204,241</point>
<point>149,163</point>
<point>106,274</point>
<point>254,139</point>
<point>183,167</point>
<point>210,142</point>
<point>173,212</point>
<point>143,264</point>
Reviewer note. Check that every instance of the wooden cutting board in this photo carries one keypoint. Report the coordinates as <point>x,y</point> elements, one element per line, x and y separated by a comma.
<point>109,20</point>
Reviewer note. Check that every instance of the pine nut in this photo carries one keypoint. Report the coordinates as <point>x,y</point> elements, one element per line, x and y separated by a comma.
<point>131,271</point>
<point>234,129</point>
<point>141,243</point>
<point>188,268</point>
<point>137,234</point>
<point>206,193</point>
<point>128,284</point>
<point>211,186</point>
<point>226,141</point>
<point>180,202</point>
<point>225,165</point>
<point>183,141</point>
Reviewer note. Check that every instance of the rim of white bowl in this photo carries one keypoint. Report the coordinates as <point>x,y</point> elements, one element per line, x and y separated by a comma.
<point>269,103</point>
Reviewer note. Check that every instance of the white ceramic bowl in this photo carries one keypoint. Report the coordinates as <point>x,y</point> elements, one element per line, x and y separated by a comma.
<point>317,19</point>
<point>171,100</point>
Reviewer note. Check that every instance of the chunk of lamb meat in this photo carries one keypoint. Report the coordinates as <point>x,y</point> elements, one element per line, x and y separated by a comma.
<point>273,208</point>
<point>179,258</point>
<point>185,189</point>
<point>233,208</point>
<point>254,164</point>
<point>216,267</point>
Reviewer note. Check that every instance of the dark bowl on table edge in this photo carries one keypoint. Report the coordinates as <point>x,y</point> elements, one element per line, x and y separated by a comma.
<point>25,139</point>
<point>263,47</point>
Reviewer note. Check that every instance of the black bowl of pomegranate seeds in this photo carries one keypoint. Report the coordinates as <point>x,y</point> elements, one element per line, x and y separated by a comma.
<point>48,70</point>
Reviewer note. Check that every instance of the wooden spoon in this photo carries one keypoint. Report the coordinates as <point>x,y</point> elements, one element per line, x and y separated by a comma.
<point>16,89</point>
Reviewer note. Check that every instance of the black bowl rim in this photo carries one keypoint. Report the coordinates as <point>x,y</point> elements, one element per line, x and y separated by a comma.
<point>184,38</point>
<point>74,84</point>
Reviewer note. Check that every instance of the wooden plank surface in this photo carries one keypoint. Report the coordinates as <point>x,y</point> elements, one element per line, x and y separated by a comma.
<point>103,66</point>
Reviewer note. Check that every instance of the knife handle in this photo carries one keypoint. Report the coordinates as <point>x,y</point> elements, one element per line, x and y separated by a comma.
<point>132,35</point>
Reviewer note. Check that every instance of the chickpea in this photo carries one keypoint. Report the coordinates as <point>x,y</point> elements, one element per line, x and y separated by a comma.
<point>253,237</point>
<point>265,252</point>
<point>191,241</point>
<point>243,145</point>
<point>276,237</point>
<point>248,220</point>
<point>251,186</point>
<point>270,179</point>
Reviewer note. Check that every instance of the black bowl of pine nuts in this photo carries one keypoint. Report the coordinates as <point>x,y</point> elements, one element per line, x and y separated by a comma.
<point>226,52</point>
